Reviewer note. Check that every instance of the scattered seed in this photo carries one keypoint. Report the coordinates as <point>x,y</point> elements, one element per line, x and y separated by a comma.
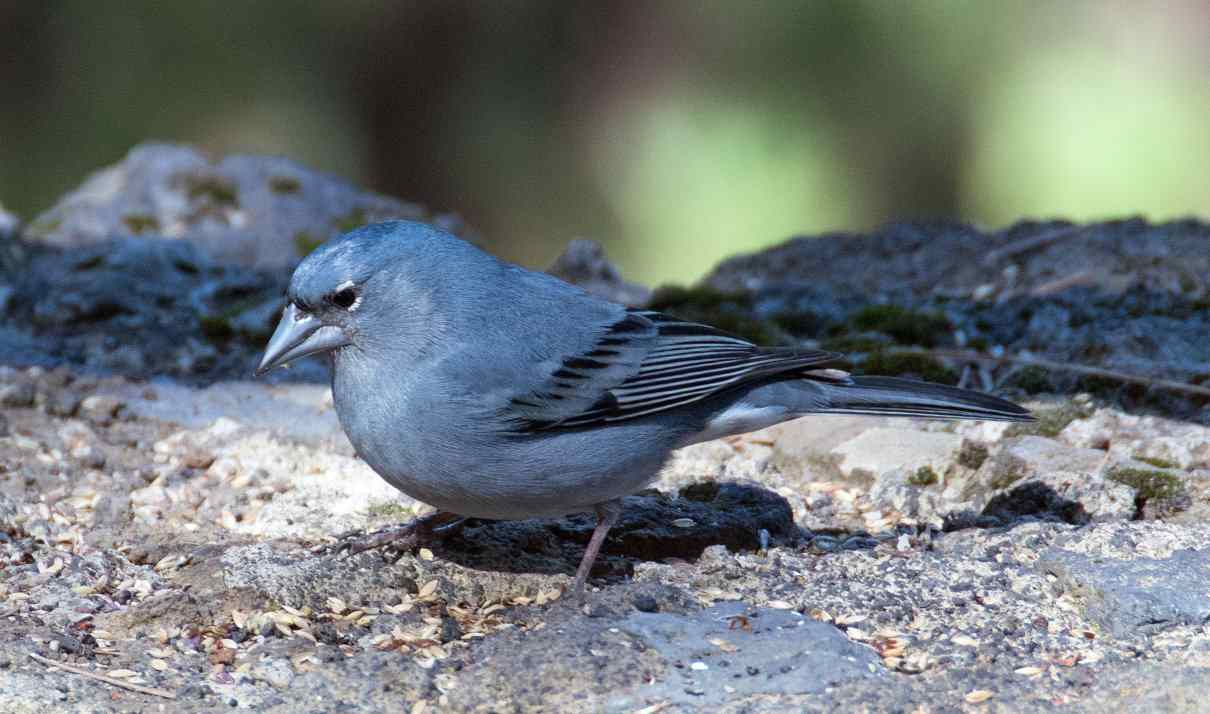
<point>978,696</point>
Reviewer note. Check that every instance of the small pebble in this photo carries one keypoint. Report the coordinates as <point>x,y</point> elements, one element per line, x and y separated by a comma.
<point>645,603</point>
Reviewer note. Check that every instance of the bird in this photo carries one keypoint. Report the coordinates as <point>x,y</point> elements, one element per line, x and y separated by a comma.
<point>491,391</point>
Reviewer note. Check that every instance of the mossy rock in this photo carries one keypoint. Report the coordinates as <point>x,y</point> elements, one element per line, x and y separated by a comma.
<point>852,344</point>
<point>803,323</point>
<point>972,455</point>
<point>1149,484</point>
<point>1032,380</point>
<point>924,476</point>
<point>893,364</point>
<point>305,242</point>
<point>214,189</point>
<point>1049,421</point>
<point>352,220</point>
<point>139,223</point>
<point>1157,462</point>
<point>729,312</point>
<point>284,185</point>
<point>906,327</point>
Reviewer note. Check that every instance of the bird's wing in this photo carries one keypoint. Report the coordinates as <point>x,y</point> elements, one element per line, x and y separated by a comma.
<point>649,362</point>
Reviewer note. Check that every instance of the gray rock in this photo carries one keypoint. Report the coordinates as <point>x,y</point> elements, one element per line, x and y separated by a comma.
<point>1141,595</point>
<point>257,211</point>
<point>583,263</point>
<point>733,651</point>
<point>878,451</point>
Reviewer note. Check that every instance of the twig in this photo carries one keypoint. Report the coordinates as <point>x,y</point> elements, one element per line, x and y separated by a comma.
<point>973,356</point>
<point>103,678</point>
<point>1032,242</point>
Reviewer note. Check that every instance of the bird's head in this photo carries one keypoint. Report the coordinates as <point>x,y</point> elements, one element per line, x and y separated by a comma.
<point>352,290</point>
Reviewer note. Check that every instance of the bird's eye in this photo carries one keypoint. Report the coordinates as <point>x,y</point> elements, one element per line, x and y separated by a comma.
<point>344,299</point>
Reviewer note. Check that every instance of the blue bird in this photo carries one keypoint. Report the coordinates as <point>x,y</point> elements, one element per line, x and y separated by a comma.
<point>491,391</point>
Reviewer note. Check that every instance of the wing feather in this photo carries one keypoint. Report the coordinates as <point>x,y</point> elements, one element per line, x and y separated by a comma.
<point>650,362</point>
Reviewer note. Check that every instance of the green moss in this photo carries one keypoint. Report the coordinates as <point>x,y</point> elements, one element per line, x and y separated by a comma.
<point>216,327</point>
<point>388,510</point>
<point>903,325</point>
<point>729,312</point>
<point>1005,473</point>
<point>352,220</point>
<point>850,344</point>
<point>1032,380</point>
<point>893,364</point>
<point>1049,421</point>
<point>671,297</point>
<point>979,344</point>
<point>1149,484</point>
<point>44,226</point>
<point>972,455</point>
<point>805,323</point>
<point>1157,462</point>
<point>924,476</point>
<point>284,184</point>
<point>140,222</point>
<point>211,188</point>
<point>220,325</point>
<point>304,242</point>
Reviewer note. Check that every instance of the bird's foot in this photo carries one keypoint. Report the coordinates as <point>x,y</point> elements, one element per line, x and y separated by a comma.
<point>404,536</point>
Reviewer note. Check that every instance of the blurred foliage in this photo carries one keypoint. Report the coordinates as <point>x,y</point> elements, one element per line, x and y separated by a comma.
<point>673,132</point>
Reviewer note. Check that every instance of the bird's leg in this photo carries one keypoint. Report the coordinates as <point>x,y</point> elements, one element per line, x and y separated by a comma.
<point>412,534</point>
<point>607,515</point>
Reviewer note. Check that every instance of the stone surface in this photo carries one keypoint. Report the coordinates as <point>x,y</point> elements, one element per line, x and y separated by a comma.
<point>1123,295</point>
<point>167,521</point>
<point>583,263</point>
<point>255,211</point>
<point>1126,592</point>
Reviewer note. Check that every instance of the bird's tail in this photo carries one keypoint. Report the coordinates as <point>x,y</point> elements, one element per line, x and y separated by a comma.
<point>889,396</point>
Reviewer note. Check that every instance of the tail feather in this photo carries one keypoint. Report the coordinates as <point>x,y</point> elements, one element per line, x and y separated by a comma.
<point>890,396</point>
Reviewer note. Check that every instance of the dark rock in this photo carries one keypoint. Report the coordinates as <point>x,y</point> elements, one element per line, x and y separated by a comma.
<point>17,394</point>
<point>646,603</point>
<point>62,403</point>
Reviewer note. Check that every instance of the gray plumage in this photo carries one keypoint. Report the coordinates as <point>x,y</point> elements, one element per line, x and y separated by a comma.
<point>492,391</point>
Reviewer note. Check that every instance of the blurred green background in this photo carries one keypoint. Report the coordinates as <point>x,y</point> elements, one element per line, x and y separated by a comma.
<point>674,132</point>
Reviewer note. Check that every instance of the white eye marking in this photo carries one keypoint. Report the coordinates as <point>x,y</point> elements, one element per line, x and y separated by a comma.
<point>344,286</point>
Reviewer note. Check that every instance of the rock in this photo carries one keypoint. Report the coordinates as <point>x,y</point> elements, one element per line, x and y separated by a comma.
<point>717,662</point>
<point>1072,294</point>
<point>17,394</point>
<point>583,263</point>
<point>1139,594</point>
<point>255,211</point>
<point>1163,443</point>
<point>1067,475</point>
<point>62,403</point>
<point>881,450</point>
<point>100,408</point>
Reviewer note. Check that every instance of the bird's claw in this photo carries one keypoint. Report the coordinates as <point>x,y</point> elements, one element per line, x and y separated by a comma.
<point>403,536</point>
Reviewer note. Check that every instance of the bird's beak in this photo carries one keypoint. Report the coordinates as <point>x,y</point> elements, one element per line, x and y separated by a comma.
<point>299,334</point>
